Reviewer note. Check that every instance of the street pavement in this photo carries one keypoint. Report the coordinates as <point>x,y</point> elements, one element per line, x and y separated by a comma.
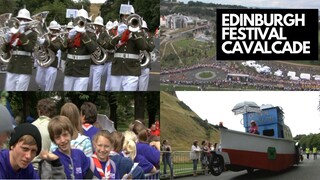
<point>308,169</point>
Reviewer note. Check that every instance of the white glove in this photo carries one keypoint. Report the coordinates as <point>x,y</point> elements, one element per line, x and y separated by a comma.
<point>14,30</point>
<point>54,38</point>
<point>8,37</point>
<point>72,33</point>
<point>80,29</point>
<point>41,40</point>
<point>121,29</point>
<point>22,29</point>
<point>15,42</point>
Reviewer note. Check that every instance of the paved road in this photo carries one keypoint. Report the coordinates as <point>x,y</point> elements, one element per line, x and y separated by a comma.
<point>191,75</point>
<point>307,170</point>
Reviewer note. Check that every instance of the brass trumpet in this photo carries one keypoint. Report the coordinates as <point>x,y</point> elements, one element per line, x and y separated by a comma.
<point>13,27</point>
<point>80,21</point>
<point>134,22</point>
<point>14,24</point>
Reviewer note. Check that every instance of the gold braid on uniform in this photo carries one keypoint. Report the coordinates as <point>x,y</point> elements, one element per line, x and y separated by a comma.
<point>136,35</point>
<point>86,37</point>
<point>27,42</point>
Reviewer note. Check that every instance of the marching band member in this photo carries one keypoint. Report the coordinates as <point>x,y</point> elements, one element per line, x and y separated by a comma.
<point>80,46</point>
<point>22,42</point>
<point>96,70</point>
<point>144,77</point>
<point>46,76</point>
<point>126,68</point>
<point>64,53</point>
<point>115,27</point>
<point>111,32</point>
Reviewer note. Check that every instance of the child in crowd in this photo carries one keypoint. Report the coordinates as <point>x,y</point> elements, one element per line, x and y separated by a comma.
<point>76,164</point>
<point>101,165</point>
<point>25,144</point>
<point>78,141</point>
<point>123,164</point>
<point>89,113</point>
<point>145,150</point>
<point>154,130</point>
<point>46,110</point>
<point>129,145</point>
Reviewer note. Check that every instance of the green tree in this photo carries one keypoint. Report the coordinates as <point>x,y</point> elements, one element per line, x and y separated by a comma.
<point>153,106</point>
<point>118,106</point>
<point>110,11</point>
<point>139,105</point>
<point>7,6</point>
<point>148,9</point>
<point>56,8</point>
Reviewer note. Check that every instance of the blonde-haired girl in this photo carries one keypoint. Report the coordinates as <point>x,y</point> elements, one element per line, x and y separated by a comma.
<point>101,165</point>
<point>129,144</point>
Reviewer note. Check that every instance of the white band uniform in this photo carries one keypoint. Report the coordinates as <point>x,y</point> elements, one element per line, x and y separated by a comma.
<point>22,53</point>
<point>78,57</point>
<point>126,56</point>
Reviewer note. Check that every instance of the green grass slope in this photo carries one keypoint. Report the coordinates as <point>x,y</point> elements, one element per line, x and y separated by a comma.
<point>181,126</point>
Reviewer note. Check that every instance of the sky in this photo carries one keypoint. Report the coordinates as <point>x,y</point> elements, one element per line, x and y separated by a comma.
<point>299,4</point>
<point>300,108</point>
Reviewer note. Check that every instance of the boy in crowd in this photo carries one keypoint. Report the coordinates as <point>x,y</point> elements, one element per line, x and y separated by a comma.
<point>25,144</point>
<point>46,110</point>
<point>76,164</point>
<point>89,113</point>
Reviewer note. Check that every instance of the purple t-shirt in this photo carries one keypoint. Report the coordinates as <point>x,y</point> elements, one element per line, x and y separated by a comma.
<point>6,171</point>
<point>90,131</point>
<point>75,165</point>
<point>147,156</point>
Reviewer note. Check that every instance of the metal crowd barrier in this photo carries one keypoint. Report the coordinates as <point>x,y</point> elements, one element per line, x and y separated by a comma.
<point>181,165</point>
<point>155,175</point>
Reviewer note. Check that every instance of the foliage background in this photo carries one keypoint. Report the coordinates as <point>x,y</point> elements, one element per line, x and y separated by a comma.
<point>148,9</point>
<point>121,107</point>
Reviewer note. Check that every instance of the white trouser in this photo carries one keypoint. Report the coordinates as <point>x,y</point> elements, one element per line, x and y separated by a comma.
<point>124,83</point>
<point>144,79</point>
<point>63,65</point>
<point>40,77</point>
<point>17,82</point>
<point>107,72</point>
<point>95,77</point>
<point>58,55</point>
<point>72,83</point>
<point>35,64</point>
<point>46,77</point>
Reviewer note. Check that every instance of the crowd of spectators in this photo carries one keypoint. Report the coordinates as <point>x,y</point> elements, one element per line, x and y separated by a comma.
<point>259,81</point>
<point>71,145</point>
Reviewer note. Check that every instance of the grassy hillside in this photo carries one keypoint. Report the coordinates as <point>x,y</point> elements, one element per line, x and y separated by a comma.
<point>181,126</point>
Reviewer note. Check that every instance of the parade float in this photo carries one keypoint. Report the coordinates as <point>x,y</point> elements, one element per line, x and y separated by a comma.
<point>271,149</point>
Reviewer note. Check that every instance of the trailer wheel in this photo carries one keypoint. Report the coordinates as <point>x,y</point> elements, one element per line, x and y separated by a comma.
<point>249,170</point>
<point>216,164</point>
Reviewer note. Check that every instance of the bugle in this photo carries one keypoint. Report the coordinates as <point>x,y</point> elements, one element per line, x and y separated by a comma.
<point>134,22</point>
